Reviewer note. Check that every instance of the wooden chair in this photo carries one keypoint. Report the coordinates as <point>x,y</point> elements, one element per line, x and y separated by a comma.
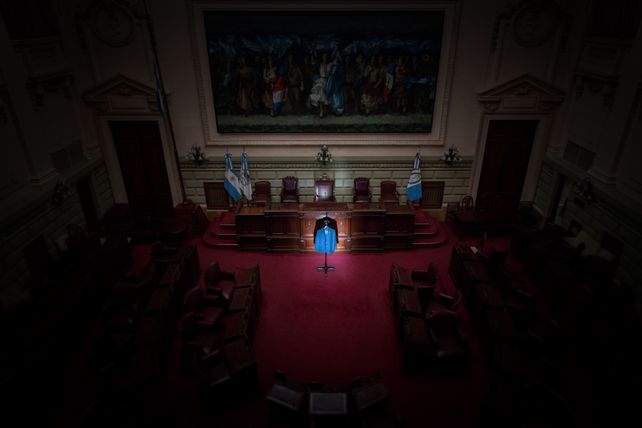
<point>361,191</point>
<point>285,399</point>
<point>212,368</point>
<point>219,282</point>
<point>262,195</point>
<point>448,341</point>
<point>463,217</point>
<point>208,309</point>
<point>196,337</point>
<point>466,203</point>
<point>389,194</point>
<point>324,190</point>
<point>290,190</point>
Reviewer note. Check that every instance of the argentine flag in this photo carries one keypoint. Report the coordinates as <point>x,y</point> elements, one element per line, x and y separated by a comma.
<point>231,183</point>
<point>246,185</point>
<point>414,182</point>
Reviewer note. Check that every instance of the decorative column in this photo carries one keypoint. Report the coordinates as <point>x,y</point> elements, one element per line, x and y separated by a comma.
<point>35,143</point>
<point>618,123</point>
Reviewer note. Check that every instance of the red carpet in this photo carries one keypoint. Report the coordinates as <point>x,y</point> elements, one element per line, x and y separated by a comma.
<point>335,328</point>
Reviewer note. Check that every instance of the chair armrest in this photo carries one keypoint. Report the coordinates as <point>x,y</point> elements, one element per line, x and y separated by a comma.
<point>211,355</point>
<point>214,298</point>
<point>213,291</point>
<point>525,295</point>
<point>446,299</point>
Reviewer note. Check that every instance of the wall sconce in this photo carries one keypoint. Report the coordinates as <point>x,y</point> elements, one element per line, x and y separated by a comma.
<point>324,156</point>
<point>196,155</point>
<point>450,156</point>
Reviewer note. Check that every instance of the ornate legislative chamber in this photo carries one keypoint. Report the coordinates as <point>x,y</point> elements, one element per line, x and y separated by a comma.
<point>290,226</point>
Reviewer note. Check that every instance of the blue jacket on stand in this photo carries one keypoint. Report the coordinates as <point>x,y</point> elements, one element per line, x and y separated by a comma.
<point>325,235</point>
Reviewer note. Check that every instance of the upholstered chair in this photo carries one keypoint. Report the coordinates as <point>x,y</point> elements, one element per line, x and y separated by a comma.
<point>290,189</point>
<point>262,195</point>
<point>208,309</point>
<point>448,341</point>
<point>361,191</point>
<point>324,190</point>
<point>218,282</point>
<point>389,194</point>
<point>212,368</point>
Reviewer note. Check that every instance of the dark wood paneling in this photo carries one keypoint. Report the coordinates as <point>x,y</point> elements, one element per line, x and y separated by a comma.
<point>251,233</point>
<point>367,228</point>
<point>283,230</point>
<point>399,227</point>
<point>288,227</point>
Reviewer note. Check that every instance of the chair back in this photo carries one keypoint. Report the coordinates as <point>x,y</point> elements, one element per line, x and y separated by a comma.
<point>290,189</point>
<point>194,298</point>
<point>262,188</point>
<point>212,275</point>
<point>361,185</point>
<point>324,190</point>
<point>466,203</point>
<point>433,274</point>
<point>485,202</point>
<point>361,192</point>
<point>389,191</point>
<point>290,183</point>
<point>262,192</point>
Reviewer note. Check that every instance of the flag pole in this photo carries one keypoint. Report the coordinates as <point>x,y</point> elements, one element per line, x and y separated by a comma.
<point>150,29</point>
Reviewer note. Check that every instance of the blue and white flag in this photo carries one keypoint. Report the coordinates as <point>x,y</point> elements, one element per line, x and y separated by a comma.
<point>414,182</point>
<point>231,182</point>
<point>246,185</point>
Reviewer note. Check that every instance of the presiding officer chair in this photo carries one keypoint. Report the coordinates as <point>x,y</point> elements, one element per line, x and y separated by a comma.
<point>389,194</point>
<point>262,193</point>
<point>361,192</point>
<point>324,190</point>
<point>290,189</point>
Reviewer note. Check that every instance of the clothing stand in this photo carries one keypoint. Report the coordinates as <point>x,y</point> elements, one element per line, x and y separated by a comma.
<point>325,268</point>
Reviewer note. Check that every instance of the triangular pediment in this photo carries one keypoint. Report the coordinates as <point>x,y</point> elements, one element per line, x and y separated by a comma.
<point>119,85</point>
<point>524,93</point>
<point>121,95</point>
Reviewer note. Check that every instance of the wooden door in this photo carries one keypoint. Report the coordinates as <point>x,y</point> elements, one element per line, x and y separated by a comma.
<point>140,153</point>
<point>508,150</point>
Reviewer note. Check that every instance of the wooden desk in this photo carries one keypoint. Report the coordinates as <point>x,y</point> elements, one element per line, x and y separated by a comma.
<point>370,396</point>
<point>328,404</point>
<point>250,228</point>
<point>309,214</point>
<point>367,228</point>
<point>285,397</point>
<point>290,227</point>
